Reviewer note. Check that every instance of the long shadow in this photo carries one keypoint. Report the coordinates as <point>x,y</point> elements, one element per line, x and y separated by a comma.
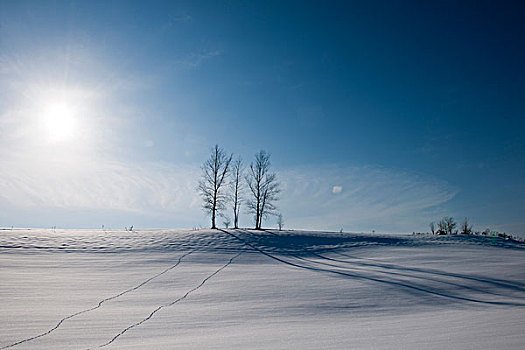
<point>391,273</point>
<point>297,243</point>
<point>99,303</point>
<point>515,285</point>
<point>394,273</point>
<point>396,283</point>
<point>375,270</point>
<point>495,282</point>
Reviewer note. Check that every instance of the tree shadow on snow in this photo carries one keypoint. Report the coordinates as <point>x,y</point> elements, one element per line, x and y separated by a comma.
<point>331,254</point>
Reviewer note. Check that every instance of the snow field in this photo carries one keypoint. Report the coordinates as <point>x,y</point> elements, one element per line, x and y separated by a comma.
<point>169,289</point>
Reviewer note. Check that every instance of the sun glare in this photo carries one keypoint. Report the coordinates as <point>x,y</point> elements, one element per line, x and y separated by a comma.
<point>59,120</point>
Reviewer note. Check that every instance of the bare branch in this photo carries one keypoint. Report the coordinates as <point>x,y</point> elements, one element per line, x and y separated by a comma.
<point>263,187</point>
<point>215,170</point>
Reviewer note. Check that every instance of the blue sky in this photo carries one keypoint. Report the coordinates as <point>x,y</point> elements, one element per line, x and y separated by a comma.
<point>413,111</point>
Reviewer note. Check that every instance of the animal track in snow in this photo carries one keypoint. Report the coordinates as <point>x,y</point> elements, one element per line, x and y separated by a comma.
<point>99,304</point>
<point>171,303</point>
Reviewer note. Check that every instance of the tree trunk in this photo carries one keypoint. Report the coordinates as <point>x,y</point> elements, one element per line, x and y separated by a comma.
<point>213,210</point>
<point>236,216</point>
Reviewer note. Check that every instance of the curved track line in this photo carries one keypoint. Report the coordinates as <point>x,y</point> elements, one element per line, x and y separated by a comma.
<point>368,278</point>
<point>171,303</point>
<point>98,305</point>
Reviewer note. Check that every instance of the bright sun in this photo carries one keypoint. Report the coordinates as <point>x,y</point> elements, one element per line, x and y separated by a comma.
<point>59,120</point>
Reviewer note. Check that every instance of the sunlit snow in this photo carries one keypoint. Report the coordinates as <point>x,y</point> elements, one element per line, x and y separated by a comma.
<point>241,289</point>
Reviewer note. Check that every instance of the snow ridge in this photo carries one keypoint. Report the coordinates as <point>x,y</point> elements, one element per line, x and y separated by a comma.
<point>99,303</point>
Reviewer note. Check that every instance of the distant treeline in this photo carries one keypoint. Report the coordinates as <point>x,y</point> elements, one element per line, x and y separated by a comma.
<point>447,226</point>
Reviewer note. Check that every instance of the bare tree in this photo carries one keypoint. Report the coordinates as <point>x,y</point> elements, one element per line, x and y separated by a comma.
<point>214,173</point>
<point>236,190</point>
<point>466,229</point>
<point>447,225</point>
<point>264,188</point>
<point>280,221</point>
<point>432,228</point>
<point>441,228</point>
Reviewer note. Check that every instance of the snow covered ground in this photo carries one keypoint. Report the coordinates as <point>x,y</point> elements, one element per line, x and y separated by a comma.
<point>239,289</point>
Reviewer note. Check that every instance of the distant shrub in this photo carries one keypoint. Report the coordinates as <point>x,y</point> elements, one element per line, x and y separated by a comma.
<point>466,229</point>
<point>446,226</point>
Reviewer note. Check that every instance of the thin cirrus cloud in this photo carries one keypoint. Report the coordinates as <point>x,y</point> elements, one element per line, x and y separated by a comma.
<point>374,198</point>
<point>87,175</point>
<point>164,194</point>
<point>87,183</point>
<point>194,60</point>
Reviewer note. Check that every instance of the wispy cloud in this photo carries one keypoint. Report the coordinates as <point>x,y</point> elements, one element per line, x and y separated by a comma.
<point>88,175</point>
<point>154,190</point>
<point>175,19</point>
<point>373,198</point>
<point>194,60</point>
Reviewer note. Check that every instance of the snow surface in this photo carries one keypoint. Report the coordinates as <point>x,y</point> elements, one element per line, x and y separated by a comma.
<point>241,289</point>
